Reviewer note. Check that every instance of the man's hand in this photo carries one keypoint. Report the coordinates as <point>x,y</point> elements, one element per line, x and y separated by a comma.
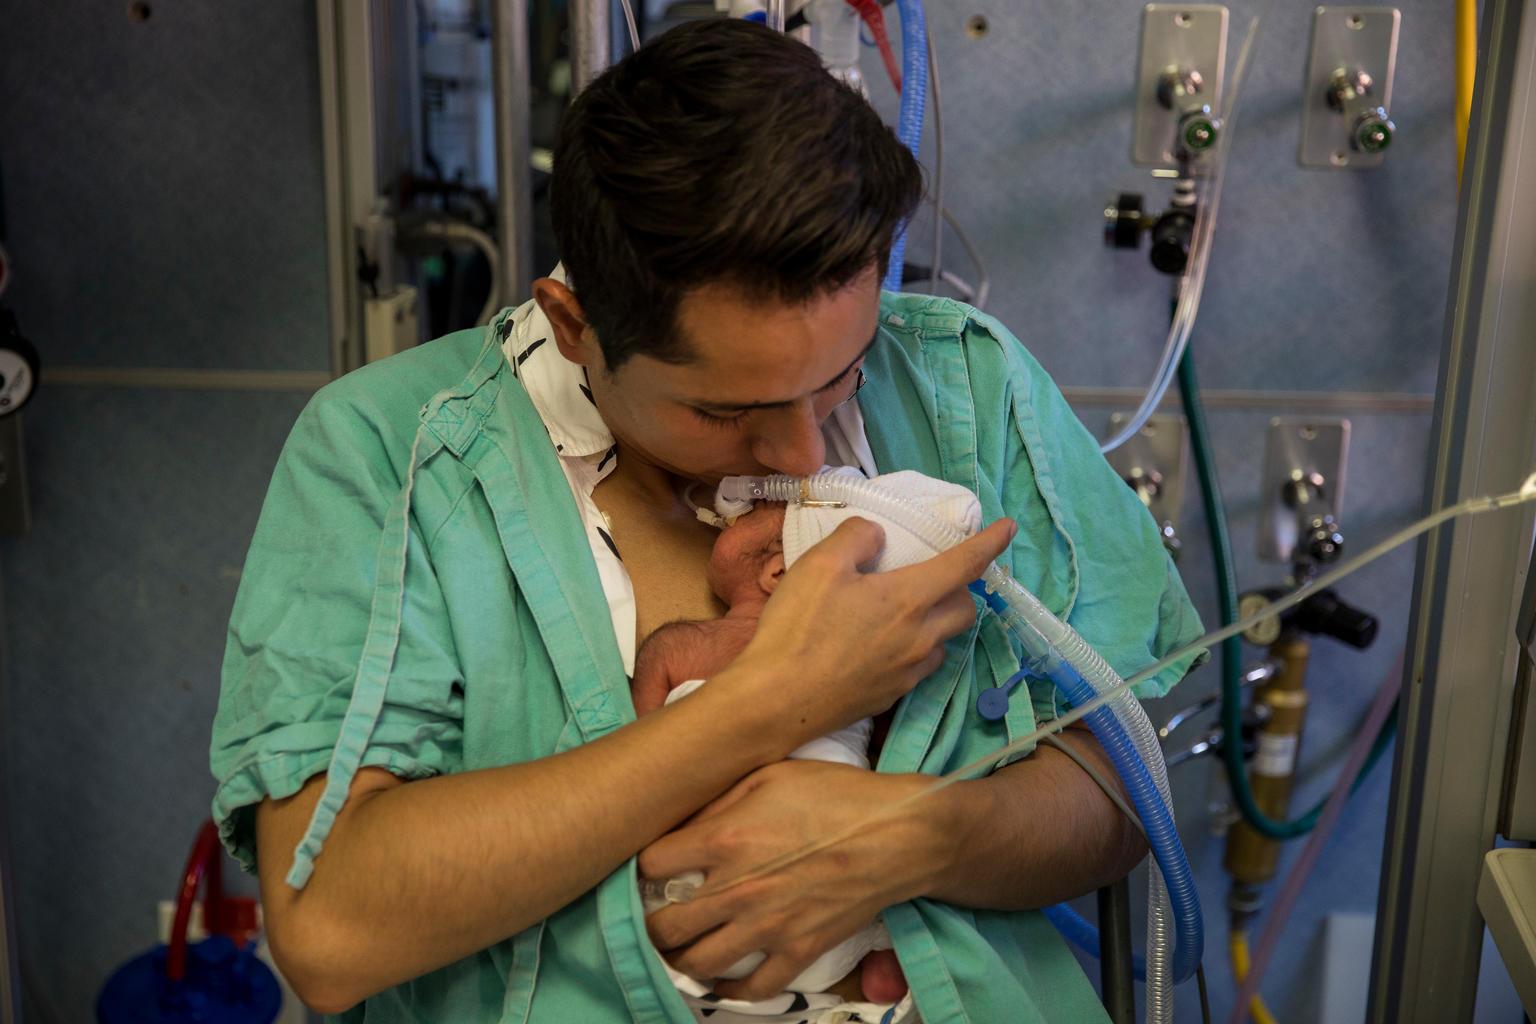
<point>799,912</point>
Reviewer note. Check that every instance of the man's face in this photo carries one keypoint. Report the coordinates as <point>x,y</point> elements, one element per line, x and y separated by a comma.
<point>763,379</point>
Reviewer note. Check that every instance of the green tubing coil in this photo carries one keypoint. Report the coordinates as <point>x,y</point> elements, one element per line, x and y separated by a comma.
<point>1232,647</point>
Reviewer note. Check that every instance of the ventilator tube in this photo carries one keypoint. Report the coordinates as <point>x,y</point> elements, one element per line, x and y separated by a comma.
<point>1054,650</point>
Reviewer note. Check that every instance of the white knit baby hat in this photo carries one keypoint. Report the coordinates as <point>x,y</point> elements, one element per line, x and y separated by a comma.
<point>804,526</point>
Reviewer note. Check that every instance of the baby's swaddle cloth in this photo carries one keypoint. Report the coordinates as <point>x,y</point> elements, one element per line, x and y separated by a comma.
<point>803,528</point>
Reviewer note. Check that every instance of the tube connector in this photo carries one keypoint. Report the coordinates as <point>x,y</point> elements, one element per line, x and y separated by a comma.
<point>736,495</point>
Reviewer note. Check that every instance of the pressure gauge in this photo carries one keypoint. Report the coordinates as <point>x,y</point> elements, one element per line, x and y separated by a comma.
<point>1265,631</point>
<point>18,365</point>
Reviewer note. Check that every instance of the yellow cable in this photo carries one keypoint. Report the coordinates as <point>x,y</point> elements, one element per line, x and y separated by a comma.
<point>1466,74</point>
<point>1256,1008</point>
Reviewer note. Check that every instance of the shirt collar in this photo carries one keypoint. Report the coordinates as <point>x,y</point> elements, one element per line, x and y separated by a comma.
<point>557,386</point>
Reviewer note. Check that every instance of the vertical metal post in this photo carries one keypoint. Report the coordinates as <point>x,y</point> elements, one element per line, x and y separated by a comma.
<point>591,40</point>
<point>513,106</point>
<point>1117,971</point>
<point>1457,702</point>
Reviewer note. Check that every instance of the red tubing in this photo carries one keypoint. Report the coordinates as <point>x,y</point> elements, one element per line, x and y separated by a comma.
<point>203,863</point>
<point>874,17</point>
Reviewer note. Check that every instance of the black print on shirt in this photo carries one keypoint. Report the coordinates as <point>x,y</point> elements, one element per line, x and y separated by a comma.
<point>522,356</point>
<point>609,541</point>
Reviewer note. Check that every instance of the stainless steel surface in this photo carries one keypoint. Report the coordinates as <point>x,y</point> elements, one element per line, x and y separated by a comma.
<point>1304,470</point>
<point>1517,810</point>
<point>1320,402</point>
<point>1116,968</point>
<point>345,311</point>
<point>1453,737</point>
<point>591,40</point>
<point>350,145</point>
<point>1262,672</point>
<point>1154,463</point>
<point>1181,67</point>
<point>513,106</point>
<point>1349,75</point>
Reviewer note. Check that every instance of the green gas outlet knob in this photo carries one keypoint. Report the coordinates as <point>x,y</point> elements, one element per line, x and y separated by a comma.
<point>1373,132</point>
<point>1200,134</point>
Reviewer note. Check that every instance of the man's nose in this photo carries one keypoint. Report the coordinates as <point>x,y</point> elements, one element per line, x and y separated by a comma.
<point>791,442</point>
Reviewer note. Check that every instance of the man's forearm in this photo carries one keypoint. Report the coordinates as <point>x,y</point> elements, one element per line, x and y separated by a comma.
<point>417,875</point>
<point>1034,833</point>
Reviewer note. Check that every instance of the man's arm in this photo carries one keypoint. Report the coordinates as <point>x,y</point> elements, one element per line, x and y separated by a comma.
<point>417,875</point>
<point>1034,833</point>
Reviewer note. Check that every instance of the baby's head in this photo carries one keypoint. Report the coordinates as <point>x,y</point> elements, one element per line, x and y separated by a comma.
<point>748,558</point>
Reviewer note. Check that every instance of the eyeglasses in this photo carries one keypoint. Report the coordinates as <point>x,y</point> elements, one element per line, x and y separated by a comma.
<point>858,385</point>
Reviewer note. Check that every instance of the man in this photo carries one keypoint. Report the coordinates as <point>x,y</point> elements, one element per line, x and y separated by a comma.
<point>425,743</point>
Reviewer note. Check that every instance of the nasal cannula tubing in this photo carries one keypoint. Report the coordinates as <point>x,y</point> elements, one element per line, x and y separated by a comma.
<point>1472,506</point>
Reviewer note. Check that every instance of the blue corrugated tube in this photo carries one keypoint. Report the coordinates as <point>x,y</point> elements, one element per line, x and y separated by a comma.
<point>1054,651</point>
<point>909,123</point>
<point>1162,835</point>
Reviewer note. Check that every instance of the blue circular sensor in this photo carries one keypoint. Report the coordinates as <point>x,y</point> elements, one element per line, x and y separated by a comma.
<point>993,703</point>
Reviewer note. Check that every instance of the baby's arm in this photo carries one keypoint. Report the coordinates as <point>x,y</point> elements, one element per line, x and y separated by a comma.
<point>680,651</point>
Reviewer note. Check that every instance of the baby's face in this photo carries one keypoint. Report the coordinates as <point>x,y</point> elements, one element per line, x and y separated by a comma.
<point>748,558</point>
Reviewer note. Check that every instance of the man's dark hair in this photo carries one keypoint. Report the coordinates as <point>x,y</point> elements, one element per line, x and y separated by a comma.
<point>721,152</point>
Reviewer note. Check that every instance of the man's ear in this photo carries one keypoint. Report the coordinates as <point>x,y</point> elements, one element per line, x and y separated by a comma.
<point>573,336</point>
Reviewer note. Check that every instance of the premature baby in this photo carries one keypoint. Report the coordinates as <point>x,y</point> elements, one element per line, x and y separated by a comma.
<point>750,556</point>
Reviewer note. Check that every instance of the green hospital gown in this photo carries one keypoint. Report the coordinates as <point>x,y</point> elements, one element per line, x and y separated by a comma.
<point>420,595</point>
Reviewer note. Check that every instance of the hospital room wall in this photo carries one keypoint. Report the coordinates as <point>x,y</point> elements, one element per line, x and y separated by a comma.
<point>1326,298</point>
<point>163,199</point>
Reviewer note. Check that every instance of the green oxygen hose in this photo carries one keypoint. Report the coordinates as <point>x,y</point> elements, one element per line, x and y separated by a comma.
<point>1232,647</point>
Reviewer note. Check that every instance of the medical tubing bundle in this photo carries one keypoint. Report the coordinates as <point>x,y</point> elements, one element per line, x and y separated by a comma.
<point>750,488</point>
<point>909,122</point>
<point>1191,286</point>
<point>1231,648</point>
<point>1055,651</point>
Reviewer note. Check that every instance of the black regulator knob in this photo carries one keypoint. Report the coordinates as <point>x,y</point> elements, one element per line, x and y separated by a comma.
<point>1171,240</point>
<point>1123,222</point>
<point>1327,614</point>
<point>1324,613</point>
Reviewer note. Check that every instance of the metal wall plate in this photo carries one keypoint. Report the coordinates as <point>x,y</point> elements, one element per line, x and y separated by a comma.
<point>1153,463</point>
<point>1299,453</point>
<point>1346,39</point>
<point>1175,37</point>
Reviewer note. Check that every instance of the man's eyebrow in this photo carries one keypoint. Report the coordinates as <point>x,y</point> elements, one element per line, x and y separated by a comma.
<point>744,406</point>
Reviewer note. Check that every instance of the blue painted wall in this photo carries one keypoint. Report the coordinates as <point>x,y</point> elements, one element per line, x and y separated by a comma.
<point>163,190</point>
<point>163,199</point>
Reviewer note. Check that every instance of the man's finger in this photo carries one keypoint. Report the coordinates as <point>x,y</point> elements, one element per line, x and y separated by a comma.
<point>958,566</point>
<point>678,924</point>
<point>675,853</point>
<point>953,614</point>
